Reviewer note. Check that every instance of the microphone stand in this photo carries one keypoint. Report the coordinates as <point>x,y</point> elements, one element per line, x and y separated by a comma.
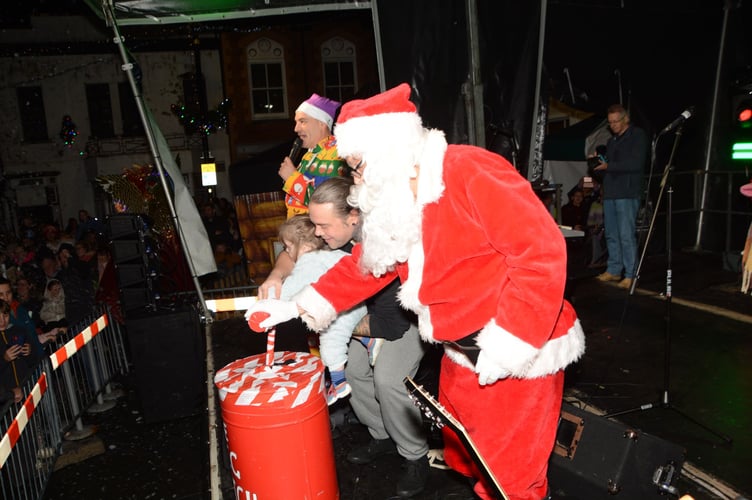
<point>665,401</point>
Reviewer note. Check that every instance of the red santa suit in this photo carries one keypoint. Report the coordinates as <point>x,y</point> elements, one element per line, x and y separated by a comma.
<point>489,270</point>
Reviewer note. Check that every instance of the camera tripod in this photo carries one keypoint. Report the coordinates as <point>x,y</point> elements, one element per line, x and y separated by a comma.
<point>665,400</point>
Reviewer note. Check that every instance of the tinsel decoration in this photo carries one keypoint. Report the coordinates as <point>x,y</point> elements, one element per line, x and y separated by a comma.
<point>214,121</point>
<point>139,190</point>
<point>68,131</point>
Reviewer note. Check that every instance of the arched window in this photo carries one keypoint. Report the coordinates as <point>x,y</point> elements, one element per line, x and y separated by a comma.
<point>266,75</point>
<point>340,76</point>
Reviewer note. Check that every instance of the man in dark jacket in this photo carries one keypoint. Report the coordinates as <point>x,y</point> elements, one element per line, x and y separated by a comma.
<point>626,153</point>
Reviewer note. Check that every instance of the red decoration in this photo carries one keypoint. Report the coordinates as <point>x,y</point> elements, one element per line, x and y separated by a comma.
<point>255,320</point>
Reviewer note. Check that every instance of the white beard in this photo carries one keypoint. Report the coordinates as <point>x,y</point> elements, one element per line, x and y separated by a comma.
<point>391,219</point>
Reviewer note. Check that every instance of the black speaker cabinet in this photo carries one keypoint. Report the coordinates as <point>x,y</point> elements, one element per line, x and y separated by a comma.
<point>168,354</point>
<point>137,298</point>
<point>126,225</point>
<point>128,250</point>
<point>131,274</point>
<point>597,458</point>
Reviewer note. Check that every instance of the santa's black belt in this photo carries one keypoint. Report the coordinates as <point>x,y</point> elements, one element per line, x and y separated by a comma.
<point>467,345</point>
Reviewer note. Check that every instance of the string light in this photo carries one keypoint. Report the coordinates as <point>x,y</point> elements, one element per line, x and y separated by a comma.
<point>214,121</point>
<point>68,131</point>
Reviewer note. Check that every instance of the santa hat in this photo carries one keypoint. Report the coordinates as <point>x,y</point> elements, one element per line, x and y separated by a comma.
<point>386,119</point>
<point>320,108</point>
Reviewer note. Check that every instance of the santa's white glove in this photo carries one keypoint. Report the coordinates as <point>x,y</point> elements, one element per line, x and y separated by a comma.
<point>279,311</point>
<point>488,370</point>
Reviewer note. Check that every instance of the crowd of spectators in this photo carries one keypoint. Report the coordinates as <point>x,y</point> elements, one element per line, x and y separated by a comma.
<point>221,223</point>
<point>50,279</point>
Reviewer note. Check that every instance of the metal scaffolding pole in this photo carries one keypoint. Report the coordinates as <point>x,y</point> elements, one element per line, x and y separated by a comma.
<point>127,66</point>
<point>711,132</point>
<point>476,120</point>
<point>534,135</point>
<point>377,41</point>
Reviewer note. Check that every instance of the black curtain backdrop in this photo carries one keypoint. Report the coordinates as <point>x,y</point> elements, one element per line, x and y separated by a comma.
<point>425,43</point>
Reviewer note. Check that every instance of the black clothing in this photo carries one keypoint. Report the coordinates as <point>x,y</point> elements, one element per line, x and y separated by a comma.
<point>386,318</point>
<point>626,154</point>
<point>14,373</point>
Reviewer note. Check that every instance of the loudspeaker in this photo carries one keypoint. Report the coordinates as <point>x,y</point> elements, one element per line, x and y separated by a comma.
<point>597,458</point>
<point>136,260</point>
<point>136,298</point>
<point>131,274</point>
<point>168,353</point>
<point>130,225</point>
<point>136,250</point>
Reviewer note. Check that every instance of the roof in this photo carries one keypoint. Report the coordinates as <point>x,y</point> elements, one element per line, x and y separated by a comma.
<point>155,12</point>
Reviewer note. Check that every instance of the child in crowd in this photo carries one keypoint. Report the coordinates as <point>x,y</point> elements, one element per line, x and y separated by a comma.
<point>52,313</point>
<point>298,236</point>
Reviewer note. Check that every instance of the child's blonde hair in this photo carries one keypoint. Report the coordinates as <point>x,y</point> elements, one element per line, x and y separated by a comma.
<point>300,230</point>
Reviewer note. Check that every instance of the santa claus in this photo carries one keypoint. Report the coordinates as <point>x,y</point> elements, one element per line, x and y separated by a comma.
<point>483,265</point>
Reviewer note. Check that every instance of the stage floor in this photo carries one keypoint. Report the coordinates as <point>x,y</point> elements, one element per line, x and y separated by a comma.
<point>708,378</point>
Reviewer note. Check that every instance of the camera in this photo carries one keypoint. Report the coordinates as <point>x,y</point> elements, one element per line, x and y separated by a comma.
<point>595,161</point>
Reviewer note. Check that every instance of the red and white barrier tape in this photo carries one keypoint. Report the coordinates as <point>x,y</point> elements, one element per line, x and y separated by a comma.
<point>22,418</point>
<point>69,349</point>
<point>32,401</point>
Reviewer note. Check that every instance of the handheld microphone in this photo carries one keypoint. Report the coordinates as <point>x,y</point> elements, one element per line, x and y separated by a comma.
<point>686,115</point>
<point>295,151</point>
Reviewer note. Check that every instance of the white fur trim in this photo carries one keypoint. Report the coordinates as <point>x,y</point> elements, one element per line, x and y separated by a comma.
<point>319,313</point>
<point>316,113</point>
<point>523,360</point>
<point>371,134</point>
<point>431,162</point>
<point>408,292</point>
<point>458,357</point>
<point>430,188</point>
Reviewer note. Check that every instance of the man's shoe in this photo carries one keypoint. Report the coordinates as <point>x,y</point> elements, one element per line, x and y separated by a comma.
<point>608,277</point>
<point>368,453</point>
<point>414,479</point>
<point>625,283</point>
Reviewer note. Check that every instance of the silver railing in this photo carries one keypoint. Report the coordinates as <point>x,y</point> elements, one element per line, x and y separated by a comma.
<point>726,213</point>
<point>74,378</point>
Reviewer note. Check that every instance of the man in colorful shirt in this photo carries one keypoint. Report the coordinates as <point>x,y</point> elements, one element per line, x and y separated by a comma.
<point>313,124</point>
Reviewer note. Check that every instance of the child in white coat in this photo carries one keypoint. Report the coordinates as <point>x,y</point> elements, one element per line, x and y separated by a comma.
<point>298,236</point>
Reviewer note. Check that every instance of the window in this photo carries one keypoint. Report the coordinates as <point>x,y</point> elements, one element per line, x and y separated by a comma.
<point>338,57</point>
<point>266,74</point>
<point>132,125</point>
<point>33,119</point>
<point>100,110</point>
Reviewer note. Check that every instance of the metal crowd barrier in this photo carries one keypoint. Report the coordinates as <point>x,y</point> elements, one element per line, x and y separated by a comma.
<point>73,379</point>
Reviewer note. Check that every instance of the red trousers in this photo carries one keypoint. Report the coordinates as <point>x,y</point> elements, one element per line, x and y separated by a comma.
<point>512,423</point>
